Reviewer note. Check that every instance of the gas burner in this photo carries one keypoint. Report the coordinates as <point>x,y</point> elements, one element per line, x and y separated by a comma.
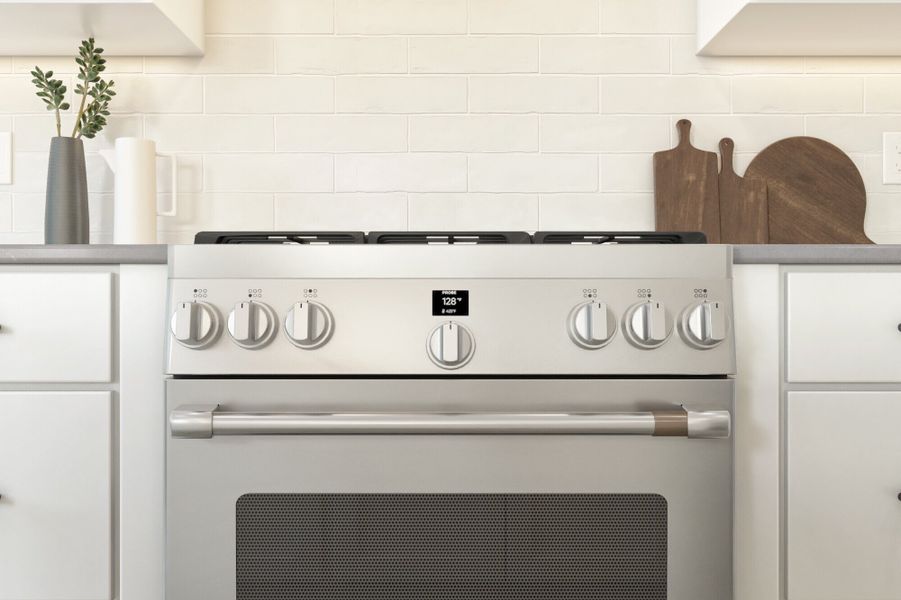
<point>449,237</point>
<point>619,237</point>
<point>280,237</point>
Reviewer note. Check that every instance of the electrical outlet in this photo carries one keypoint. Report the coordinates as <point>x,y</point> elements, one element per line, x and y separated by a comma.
<point>891,158</point>
<point>6,158</point>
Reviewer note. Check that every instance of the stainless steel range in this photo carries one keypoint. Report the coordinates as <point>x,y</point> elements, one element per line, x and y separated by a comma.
<point>450,420</point>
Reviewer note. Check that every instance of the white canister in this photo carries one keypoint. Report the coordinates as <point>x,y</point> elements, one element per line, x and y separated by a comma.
<point>135,210</point>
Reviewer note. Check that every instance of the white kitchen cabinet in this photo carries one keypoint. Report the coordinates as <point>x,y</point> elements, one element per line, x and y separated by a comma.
<point>843,326</point>
<point>56,506</point>
<point>55,327</point>
<point>843,483</point>
<point>799,27</point>
<point>122,27</point>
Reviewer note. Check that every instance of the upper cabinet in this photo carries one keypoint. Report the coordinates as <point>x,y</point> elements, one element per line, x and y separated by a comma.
<point>799,27</point>
<point>121,27</point>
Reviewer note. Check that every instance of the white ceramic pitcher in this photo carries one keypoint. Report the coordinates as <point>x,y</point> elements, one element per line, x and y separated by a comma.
<point>135,210</point>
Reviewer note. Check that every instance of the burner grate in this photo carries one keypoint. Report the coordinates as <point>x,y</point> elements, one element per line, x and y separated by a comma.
<point>449,237</point>
<point>451,547</point>
<point>619,237</point>
<point>279,237</point>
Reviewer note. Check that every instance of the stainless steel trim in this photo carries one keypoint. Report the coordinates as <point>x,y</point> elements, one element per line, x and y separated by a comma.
<point>206,421</point>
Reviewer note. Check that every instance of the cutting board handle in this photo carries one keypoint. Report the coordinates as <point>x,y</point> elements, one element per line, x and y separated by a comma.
<point>727,150</point>
<point>684,128</point>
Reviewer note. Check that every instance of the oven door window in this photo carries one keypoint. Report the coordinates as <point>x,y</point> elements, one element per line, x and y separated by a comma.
<point>451,546</point>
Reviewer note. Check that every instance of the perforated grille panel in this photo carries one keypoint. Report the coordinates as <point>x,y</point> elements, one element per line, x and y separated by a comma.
<point>451,547</point>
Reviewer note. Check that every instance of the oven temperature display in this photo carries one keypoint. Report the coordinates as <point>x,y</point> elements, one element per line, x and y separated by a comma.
<point>450,303</point>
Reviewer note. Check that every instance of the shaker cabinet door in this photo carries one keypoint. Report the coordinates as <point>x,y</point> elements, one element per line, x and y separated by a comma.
<point>55,327</point>
<point>843,485</point>
<point>55,496</point>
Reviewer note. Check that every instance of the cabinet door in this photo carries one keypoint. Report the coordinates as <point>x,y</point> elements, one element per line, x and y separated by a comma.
<point>55,509</point>
<point>843,327</point>
<point>843,479</point>
<point>55,326</point>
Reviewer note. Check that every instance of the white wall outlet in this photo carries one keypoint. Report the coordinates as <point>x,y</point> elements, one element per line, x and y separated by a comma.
<point>6,158</point>
<point>891,158</point>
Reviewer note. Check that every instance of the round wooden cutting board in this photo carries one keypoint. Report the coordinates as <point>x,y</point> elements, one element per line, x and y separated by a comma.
<point>815,193</point>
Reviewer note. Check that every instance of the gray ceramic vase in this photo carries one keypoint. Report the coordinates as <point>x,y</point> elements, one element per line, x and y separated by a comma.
<point>66,215</point>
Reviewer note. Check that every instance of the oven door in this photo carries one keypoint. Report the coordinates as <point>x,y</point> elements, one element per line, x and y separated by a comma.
<point>449,489</point>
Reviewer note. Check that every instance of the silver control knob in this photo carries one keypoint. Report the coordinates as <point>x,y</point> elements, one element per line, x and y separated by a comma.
<point>252,324</point>
<point>195,324</point>
<point>308,325</point>
<point>703,325</point>
<point>451,345</point>
<point>647,324</point>
<point>592,325</point>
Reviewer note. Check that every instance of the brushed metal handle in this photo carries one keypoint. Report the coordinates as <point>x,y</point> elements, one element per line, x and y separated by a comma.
<point>206,421</point>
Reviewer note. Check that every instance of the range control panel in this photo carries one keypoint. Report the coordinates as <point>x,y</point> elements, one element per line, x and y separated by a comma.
<point>441,326</point>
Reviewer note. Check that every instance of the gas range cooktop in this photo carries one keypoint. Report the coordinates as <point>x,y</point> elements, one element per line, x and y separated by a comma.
<point>448,237</point>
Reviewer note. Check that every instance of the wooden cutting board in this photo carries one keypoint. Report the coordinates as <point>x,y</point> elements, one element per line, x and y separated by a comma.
<point>685,188</point>
<point>815,194</point>
<point>743,203</point>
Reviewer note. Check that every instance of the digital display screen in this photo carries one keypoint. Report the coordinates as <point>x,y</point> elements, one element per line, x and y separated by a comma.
<point>450,303</point>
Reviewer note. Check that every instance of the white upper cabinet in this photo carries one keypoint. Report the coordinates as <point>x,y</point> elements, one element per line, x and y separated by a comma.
<point>799,27</point>
<point>121,27</point>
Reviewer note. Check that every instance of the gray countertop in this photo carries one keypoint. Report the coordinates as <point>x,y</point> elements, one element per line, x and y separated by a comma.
<point>109,254</point>
<point>83,254</point>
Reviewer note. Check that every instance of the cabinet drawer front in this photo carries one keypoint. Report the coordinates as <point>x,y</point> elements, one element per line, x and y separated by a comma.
<point>843,327</point>
<point>56,509</point>
<point>55,327</point>
<point>844,477</point>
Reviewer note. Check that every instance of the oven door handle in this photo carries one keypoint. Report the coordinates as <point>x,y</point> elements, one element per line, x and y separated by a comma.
<point>207,421</point>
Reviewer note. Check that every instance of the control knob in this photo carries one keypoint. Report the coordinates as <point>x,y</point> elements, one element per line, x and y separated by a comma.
<point>592,325</point>
<point>251,324</point>
<point>308,325</point>
<point>195,324</point>
<point>703,325</point>
<point>450,345</point>
<point>647,325</point>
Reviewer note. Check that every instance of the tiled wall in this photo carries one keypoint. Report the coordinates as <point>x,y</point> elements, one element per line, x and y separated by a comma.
<point>436,114</point>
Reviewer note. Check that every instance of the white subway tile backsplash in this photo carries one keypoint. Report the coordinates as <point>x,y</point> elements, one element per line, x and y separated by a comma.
<point>474,54</point>
<point>232,54</point>
<point>474,133</point>
<point>6,210</point>
<point>268,173</point>
<point>203,133</point>
<point>862,133</point>
<point>331,212</point>
<point>604,133</point>
<point>400,16</point>
<point>605,55</point>
<point>270,16</point>
<point>883,95</point>
<point>533,16</point>
<point>220,211</point>
<point>419,94</point>
<point>648,16</point>
<point>355,55</point>
<point>665,95</point>
<point>157,94</point>
<point>797,94</point>
<point>687,62</point>
<point>341,133</point>
<point>261,95</point>
<point>473,212</point>
<point>598,212</point>
<point>400,173</point>
<point>33,132</point>
<point>431,114</point>
<point>533,93</point>
<point>533,173</point>
<point>627,173</point>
